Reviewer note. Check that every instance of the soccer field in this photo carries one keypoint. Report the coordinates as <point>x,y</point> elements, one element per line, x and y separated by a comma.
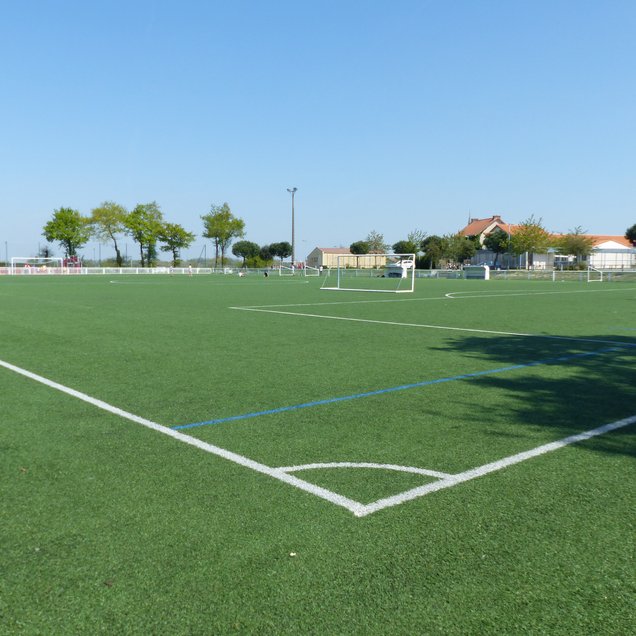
<point>217,455</point>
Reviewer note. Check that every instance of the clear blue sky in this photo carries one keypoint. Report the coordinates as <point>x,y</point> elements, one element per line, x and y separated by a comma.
<point>386,115</point>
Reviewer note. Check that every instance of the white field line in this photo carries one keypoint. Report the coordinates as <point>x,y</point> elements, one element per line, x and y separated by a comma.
<point>492,467</point>
<point>451,295</point>
<point>402,469</point>
<point>215,283</point>
<point>343,302</point>
<point>487,294</point>
<point>357,508</point>
<point>442,327</point>
<point>323,493</point>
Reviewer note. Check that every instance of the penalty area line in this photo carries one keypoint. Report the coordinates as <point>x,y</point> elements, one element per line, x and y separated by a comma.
<point>440,327</point>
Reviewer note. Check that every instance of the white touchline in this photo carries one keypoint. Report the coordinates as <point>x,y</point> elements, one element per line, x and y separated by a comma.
<point>333,497</point>
<point>442,327</point>
<point>492,467</point>
<point>282,474</point>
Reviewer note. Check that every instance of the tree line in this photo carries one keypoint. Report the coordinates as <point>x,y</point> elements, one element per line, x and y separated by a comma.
<point>430,251</point>
<point>147,227</point>
<point>455,249</point>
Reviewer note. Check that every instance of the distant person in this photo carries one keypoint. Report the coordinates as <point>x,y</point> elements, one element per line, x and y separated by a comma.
<point>189,270</point>
<point>266,274</point>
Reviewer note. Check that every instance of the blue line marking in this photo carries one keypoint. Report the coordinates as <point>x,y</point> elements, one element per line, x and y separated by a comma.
<point>402,387</point>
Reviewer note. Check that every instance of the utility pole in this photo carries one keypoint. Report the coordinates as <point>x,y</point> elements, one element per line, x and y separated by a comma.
<point>293,243</point>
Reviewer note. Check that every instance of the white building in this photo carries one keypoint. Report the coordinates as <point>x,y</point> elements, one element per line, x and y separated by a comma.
<point>612,252</point>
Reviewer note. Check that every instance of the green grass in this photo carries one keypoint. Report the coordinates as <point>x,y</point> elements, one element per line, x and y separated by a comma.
<point>109,527</point>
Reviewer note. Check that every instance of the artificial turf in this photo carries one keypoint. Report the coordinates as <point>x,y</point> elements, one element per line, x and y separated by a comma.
<point>109,527</point>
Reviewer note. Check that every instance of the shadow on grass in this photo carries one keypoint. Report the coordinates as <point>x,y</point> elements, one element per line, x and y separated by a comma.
<point>567,396</point>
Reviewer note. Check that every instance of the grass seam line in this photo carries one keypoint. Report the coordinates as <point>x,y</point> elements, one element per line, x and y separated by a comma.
<point>402,387</point>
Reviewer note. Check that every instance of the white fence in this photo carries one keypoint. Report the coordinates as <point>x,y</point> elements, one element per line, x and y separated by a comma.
<point>84,271</point>
<point>495,274</point>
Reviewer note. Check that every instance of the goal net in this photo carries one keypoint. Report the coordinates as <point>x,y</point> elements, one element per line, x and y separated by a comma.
<point>393,273</point>
<point>36,264</point>
<point>311,271</point>
<point>618,275</point>
<point>286,269</point>
<point>594,275</point>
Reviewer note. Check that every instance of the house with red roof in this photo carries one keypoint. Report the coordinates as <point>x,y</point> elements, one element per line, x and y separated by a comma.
<point>483,227</point>
<point>609,252</point>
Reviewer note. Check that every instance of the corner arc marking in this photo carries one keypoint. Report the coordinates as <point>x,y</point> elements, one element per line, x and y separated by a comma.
<point>281,474</point>
<point>395,467</point>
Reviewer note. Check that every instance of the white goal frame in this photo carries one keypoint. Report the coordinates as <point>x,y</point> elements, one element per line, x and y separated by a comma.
<point>286,268</point>
<point>35,262</point>
<point>395,266</point>
<point>594,275</point>
<point>311,271</point>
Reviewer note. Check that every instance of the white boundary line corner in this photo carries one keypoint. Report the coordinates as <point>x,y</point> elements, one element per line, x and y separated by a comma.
<point>282,474</point>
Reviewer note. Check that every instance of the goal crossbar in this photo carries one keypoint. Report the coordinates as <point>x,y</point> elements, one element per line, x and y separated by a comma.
<point>36,263</point>
<point>379,273</point>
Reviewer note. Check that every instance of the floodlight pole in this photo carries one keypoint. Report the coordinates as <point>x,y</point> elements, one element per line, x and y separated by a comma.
<point>293,243</point>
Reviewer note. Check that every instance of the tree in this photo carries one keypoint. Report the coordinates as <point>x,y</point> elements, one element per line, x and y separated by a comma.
<point>145,224</point>
<point>416,237</point>
<point>266,254</point>
<point>530,237</point>
<point>173,239</point>
<point>69,228</point>
<point>575,243</point>
<point>245,250</point>
<point>497,242</point>
<point>376,242</point>
<point>434,248</point>
<point>630,234</point>
<point>359,248</point>
<point>405,247</point>
<point>459,248</point>
<point>46,251</point>
<point>222,227</point>
<point>107,221</point>
<point>282,250</point>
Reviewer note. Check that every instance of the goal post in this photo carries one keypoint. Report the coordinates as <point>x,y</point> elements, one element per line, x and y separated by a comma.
<point>35,264</point>
<point>611,275</point>
<point>594,275</point>
<point>286,268</point>
<point>311,271</point>
<point>389,273</point>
